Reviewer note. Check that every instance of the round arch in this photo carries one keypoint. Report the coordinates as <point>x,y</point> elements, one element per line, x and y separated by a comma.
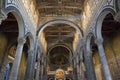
<point>30,36</point>
<point>88,41</point>
<point>100,19</point>
<point>15,11</point>
<point>62,21</point>
<point>62,45</point>
<point>69,51</point>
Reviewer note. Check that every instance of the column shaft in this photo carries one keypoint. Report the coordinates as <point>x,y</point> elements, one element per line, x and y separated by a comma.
<point>30,65</point>
<point>81,71</point>
<point>78,72</point>
<point>89,66</point>
<point>104,62</point>
<point>35,53</point>
<point>38,68</point>
<point>42,72</point>
<point>75,69</point>
<point>16,64</point>
<point>42,69</point>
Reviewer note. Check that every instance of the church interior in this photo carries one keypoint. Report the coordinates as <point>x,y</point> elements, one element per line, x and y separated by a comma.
<point>59,39</point>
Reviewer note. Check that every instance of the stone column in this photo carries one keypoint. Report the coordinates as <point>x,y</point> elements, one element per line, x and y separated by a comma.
<point>78,72</point>
<point>17,60</point>
<point>35,53</point>
<point>3,16</point>
<point>89,66</point>
<point>41,72</point>
<point>78,67</point>
<point>104,62</point>
<point>30,66</point>
<point>42,68</point>
<point>81,64</point>
<point>74,68</point>
<point>81,71</point>
<point>38,67</point>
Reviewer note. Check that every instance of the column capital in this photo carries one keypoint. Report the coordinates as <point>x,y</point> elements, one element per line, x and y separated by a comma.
<point>21,40</point>
<point>99,41</point>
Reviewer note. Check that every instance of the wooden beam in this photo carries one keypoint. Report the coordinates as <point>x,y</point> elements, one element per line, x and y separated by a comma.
<point>58,7</point>
<point>65,3</point>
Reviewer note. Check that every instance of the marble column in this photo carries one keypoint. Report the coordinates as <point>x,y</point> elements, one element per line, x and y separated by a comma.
<point>89,66</point>
<point>17,60</point>
<point>30,65</point>
<point>103,59</point>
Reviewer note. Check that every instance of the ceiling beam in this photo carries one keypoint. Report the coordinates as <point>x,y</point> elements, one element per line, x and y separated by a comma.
<point>64,3</point>
<point>63,7</point>
<point>55,12</point>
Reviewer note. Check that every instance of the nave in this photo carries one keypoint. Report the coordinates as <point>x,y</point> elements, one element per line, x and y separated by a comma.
<point>59,39</point>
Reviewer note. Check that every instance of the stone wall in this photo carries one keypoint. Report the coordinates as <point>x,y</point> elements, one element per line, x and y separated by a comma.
<point>115,61</point>
<point>27,10</point>
<point>3,48</point>
<point>3,45</point>
<point>92,9</point>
